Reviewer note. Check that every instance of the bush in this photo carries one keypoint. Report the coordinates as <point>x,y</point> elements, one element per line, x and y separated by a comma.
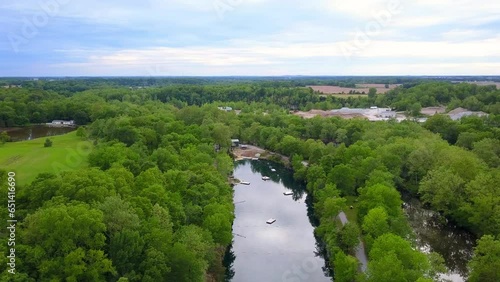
<point>48,143</point>
<point>81,132</point>
<point>4,137</point>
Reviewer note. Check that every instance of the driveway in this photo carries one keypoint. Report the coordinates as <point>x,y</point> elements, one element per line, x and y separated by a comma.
<point>360,250</point>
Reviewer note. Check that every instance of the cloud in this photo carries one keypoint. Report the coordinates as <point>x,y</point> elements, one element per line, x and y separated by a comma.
<point>255,37</point>
<point>467,34</point>
<point>246,57</point>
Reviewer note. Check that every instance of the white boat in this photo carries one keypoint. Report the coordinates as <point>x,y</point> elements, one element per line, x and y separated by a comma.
<point>287,193</point>
<point>270,221</point>
<point>255,159</point>
<point>266,177</point>
<point>273,170</point>
<point>245,183</point>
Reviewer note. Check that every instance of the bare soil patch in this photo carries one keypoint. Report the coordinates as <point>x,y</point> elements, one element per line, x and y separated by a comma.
<point>325,89</point>
<point>313,113</point>
<point>484,83</point>
<point>430,111</point>
<point>256,152</point>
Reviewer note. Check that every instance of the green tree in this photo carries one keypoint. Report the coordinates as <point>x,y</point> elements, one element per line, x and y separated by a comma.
<point>118,216</point>
<point>437,187</point>
<point>483,203</point>
<point>443,125</point>
<point>393,259</point>
<point>349,237</point>
<point>372,92</point>
<point>126,252</point>
<point>415,109</point>
<point>485,264</point>
<point>81,132</point>
<point>345,267</point>
<point>375,224</point>
<point>488,150</point>
<point>380,196</point>
<point>62,255</point>
<point>186,265</point>
<point>344,177</point>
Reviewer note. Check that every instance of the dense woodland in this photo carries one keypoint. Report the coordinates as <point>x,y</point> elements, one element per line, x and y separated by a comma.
<point>155,203</point>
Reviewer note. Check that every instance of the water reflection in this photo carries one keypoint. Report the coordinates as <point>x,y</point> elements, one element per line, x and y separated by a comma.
<point>435,234</point>
<point>229,258</point>
<point>35,131</point>
<point>284,251</point>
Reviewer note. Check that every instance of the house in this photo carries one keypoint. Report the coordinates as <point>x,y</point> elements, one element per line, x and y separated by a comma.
<point>62,123</point>
<point>227,109</point>
<point>235,142</point>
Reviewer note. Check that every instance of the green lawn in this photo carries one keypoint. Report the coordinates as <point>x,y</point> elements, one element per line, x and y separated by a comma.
<point>352,214</point>
<point>29,158</point>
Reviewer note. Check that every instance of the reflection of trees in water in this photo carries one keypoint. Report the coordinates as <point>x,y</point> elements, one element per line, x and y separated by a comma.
<point>228,262</point>
<point>37,131</point>
<point>310,211</point>
<point>281,175</point>
<point>434,233</point>
<point>322,253</point>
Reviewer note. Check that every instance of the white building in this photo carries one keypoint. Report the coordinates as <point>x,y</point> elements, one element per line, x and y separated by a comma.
<point>62,122</point>
<point>227,109</point>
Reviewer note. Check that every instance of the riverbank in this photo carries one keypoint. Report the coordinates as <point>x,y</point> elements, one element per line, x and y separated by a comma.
<point>251,151</point>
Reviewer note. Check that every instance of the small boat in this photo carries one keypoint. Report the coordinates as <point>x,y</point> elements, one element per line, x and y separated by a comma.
<point>270,221</point>
<point>255,159</point>
<point>287,193</point>
<point>245,183</point>
<point>266,177</point>
<point>273,170</point>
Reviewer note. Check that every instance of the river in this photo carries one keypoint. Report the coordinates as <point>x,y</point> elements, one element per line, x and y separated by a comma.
<point>433,233</point>
<point>286,250</point>
<point>35,131</point>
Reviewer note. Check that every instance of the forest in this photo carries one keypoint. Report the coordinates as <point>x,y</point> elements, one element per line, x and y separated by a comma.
<point>155,204</point>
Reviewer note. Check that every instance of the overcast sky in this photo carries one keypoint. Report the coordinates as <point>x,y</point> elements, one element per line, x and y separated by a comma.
<point>249,37</point>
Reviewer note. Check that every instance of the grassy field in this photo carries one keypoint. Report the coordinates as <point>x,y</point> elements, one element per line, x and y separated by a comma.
<point>29,158</point>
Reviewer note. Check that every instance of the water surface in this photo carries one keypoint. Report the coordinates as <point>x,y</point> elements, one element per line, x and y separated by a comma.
<point>435,234</point>
<point>284,251</point>
<point>35,131</point>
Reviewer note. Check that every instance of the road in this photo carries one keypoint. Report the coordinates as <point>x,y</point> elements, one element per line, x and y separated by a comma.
<point>360,250</point>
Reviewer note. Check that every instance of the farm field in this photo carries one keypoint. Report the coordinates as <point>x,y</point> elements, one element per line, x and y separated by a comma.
<point>485,83</point>
<point>347,95</point>
<point>29,158</point>
<point>325,89</point>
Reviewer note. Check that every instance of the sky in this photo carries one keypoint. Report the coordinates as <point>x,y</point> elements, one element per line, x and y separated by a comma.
<point>249,37</point>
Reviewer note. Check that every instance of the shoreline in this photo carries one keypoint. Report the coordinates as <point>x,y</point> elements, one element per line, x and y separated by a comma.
<point>252,151</point>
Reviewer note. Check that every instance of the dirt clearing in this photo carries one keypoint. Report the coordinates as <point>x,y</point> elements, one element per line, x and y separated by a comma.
<point>360,88</point>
